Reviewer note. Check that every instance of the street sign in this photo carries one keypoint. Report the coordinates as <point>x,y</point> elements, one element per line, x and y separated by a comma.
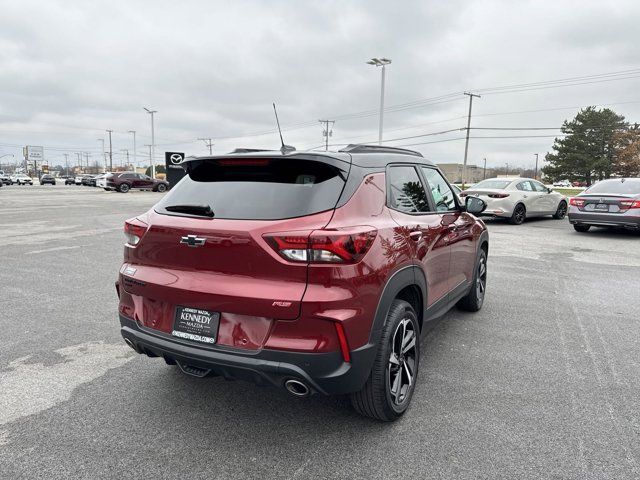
<point>35,153</point>
<point>175,172</point>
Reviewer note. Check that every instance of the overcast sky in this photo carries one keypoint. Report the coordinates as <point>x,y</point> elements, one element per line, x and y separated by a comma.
<point>71,69</point>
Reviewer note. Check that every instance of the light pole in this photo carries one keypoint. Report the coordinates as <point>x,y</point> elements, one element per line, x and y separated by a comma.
<point>153,142</point>
<point>150,153</point>
<point>484,170</point>
<point>135,156</point>
<point>380,62</point>
<point>535,172</point>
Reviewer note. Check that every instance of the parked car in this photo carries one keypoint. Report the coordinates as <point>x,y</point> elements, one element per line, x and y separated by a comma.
<point>609,203</point>
<point>340,261</point>
<point>78,179</point>
<point>518,199</point>
<point>562,183</point>
<point>125,181</point>
<point>4,178</point>
<point>21,179</point>
<point>69,181</point>
<point>88,180</point>
<point>579,184</point>
<point>101,180</point>
<point>47,179</point>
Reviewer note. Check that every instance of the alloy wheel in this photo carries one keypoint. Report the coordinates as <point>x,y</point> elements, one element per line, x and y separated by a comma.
<point>481,278</point>
<point>562,210</point>
<point>402,362</point>
<point>519,214</point>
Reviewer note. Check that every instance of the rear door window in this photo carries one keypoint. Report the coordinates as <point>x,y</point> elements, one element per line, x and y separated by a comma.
<point>406,192</point>
<point>525,186</point>
<point>258,189</point>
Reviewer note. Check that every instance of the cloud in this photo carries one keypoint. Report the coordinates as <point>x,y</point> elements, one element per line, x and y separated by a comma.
<point>72,69</point>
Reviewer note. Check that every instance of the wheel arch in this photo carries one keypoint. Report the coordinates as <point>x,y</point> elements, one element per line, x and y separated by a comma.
<point>407,283</point>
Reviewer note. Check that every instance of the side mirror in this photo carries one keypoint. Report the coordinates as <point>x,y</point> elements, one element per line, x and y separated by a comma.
<point>474,205</point>
<point>549,190</point>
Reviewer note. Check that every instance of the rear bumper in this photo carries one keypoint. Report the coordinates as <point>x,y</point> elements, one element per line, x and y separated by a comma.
<point>624,220</point>
<point>324,373</point>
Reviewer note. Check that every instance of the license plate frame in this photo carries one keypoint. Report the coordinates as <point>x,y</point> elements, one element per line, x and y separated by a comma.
<point>601,207</point>
<point>196,324</point>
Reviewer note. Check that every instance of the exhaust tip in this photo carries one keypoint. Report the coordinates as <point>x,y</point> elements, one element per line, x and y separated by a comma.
<point>131,344</point>
<point>297,388</point>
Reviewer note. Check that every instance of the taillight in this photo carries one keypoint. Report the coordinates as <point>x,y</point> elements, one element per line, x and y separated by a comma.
<point>134,230</point>
<point>576,202</point>
<point>498,195</point>
<point>322,246</point>
<point>627,204</point>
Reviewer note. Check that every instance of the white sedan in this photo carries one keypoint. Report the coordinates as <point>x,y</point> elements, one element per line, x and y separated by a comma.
<point>21,179</point>
<point>519,198</point>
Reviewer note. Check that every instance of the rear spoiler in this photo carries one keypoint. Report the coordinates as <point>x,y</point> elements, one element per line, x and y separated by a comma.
<point>342,161</point>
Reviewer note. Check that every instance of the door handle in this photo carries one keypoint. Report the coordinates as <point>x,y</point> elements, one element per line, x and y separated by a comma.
<point>415,235</point>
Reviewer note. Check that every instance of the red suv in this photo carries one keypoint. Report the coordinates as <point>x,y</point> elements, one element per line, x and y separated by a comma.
<point>125,181</point>
<point>311,271</point>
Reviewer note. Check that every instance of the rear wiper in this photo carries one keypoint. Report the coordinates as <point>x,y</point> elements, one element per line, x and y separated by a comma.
<point>202,210</point>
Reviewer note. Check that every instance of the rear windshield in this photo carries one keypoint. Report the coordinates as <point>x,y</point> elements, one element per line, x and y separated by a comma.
<point>496,184</point>
<point>258,189</point>
<point>628,187</point>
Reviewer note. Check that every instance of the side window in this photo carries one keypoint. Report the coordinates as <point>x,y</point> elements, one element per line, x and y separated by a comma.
<point>443,196</point>
<point>407,193</point>
<point>539,187</point>
<point>525,186</point>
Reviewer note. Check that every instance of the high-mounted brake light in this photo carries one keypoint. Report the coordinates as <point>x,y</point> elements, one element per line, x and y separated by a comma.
<point>244,162</point>
<point>576,202</point>
<point>134,229</point>
<point>323,246</point>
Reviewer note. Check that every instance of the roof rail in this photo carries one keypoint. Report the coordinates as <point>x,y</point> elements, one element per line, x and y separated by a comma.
<point>358,148</point>
<point>251,150</point>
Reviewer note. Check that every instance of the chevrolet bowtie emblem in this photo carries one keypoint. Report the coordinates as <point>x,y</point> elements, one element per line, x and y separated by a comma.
<point>192,241</point>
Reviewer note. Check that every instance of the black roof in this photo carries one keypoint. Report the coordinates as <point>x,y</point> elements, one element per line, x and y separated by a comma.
<point>368,156</point>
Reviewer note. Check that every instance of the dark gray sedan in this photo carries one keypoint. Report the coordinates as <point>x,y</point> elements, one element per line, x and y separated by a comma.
<point>609,203</point>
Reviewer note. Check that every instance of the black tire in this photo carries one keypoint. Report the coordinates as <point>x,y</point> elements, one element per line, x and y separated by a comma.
<point>561,212</point>
<point>161,188</point>
<point>581,228</point>
<point>519,214</point>
<point>474,300</point>
<point>124,188</point>
<point>391,383</point>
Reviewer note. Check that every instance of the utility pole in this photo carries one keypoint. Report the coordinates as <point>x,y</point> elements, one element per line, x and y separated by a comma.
<point>207,142</point>
<point>535,174</point>
<point>104,155</point>
<point>507,169</point>
<point>135,155</point>
<point>153,142</point>
<point>466,143</point>
<point>79,155</point>
<point>110,152</point>
<point>87,155</point>
<point>66,162</point>
<point>380,62</point>
<point>326,131</point>
<point>484,170</point>
<point>126,150</point>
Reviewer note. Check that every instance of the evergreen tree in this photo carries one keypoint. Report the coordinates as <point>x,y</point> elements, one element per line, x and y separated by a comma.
<point>587,150</point>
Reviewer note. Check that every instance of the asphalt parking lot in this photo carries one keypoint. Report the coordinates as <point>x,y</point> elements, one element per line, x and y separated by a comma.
<point>543,382</point>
